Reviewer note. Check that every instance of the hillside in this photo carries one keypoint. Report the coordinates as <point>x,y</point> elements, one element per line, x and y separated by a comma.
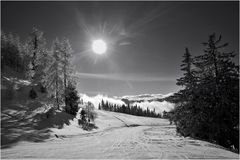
<point>20,115</point>
<point>27,132</point>
<point>118,136</point>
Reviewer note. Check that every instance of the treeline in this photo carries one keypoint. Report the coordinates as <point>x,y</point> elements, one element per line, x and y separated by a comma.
<point>48,68</point>
<point>208,105</point>
<point>133,110</point>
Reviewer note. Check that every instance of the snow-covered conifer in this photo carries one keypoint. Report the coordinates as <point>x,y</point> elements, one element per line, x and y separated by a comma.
<point>54,80</point>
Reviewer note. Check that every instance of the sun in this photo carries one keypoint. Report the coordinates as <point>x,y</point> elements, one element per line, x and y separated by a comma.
<point>99,46</point>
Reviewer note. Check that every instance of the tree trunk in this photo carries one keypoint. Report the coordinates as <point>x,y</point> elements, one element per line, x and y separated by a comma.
<point>57,91</point>
<point>65,78</point>
<point>34,53</point>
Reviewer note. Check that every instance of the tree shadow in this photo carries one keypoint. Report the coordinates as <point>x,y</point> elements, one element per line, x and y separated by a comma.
<point>17,127</point>
<point>87,126</point>
<point>57,120</point>
<point>10,138</point>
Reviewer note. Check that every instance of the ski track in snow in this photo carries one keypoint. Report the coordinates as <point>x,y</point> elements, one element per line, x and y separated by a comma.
<point>129,139</point>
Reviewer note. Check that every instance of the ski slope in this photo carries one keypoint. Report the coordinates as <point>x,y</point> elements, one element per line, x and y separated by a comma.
<point>119,136</point>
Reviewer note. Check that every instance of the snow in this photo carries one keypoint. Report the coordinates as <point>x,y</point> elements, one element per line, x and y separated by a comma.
<point>25,133</point>
<point>105,121</point>
<point>119,136</point>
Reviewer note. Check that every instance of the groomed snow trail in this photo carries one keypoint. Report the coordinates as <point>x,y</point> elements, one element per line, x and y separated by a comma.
<point>129,137</point>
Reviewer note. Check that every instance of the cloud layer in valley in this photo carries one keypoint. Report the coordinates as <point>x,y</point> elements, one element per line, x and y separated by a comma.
<point>95,100</point>
<point>159,106</point>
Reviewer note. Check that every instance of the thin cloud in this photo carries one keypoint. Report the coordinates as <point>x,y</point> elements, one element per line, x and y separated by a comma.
<point>124,43</point>
<point>123,77</point>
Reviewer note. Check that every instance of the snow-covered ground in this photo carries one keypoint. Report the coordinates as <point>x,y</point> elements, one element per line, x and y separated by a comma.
<point>118,136</point>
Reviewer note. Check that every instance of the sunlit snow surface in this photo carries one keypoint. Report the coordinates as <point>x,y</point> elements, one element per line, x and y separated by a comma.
<point>119,136</point>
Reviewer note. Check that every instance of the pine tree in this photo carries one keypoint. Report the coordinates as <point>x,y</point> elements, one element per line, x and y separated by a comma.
<point>210,105</point>
<point>102,105</point>
<point>66,52</point>
<point>107,106</point>
<point>54,78</point>
<point>35,48</point>
<point>71,99</point>
<point>44,62</point>
<point>188,79</point>
<point>12,53</point>
<point>184,111</point>
<point>219,78</point>
<point>99,106</point>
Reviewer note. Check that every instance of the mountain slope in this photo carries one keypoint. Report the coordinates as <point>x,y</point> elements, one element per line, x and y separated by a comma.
<point>24,122</point>
<point>120,136</point>
<point>20,115</point>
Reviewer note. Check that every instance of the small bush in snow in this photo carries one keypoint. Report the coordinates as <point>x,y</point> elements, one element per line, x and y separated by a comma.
<point>91,114</point>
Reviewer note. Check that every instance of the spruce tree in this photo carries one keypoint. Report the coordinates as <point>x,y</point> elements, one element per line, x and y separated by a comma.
<point>219,81</point>
<point>210,105</point>
<point>182,115</point>
<point>188,79</point>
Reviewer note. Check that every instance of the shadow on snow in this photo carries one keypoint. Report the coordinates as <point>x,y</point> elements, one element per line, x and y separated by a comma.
<point>20,127</point>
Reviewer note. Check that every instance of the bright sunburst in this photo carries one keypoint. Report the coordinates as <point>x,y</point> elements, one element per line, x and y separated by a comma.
<point>99,46</point>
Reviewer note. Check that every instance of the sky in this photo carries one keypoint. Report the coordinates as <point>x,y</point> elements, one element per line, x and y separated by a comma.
<point>145,40</point>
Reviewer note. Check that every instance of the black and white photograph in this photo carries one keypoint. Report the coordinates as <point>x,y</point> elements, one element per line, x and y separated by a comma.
<point>120,80</point>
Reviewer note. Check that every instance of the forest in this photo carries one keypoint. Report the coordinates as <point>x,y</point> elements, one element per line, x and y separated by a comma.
<point>48,69</point>
<point>127,109</point>
<point>207,106</point>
